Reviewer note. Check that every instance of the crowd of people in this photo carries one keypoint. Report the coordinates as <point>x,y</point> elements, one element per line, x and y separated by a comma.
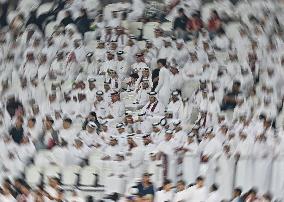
<point>193,114</point>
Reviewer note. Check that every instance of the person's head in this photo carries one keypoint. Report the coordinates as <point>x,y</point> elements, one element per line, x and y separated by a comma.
<point>199,181</point>
<point>236,86</point>
<point>175,95</point>
<point>67,14</point>
<point>53,182</point>
<point>115,96</point>
<point>147,139</point>
<point>146,178</point>
<point>91,127</point>
<point>113,141</point>
<point>114,14</point>
<point>161,63</point>
<point>48,122</point>
<point>139,57</point>
<point>180,12</point>
<point>152,97</point>
<point>180,185</point>
<point>190,138</point>
<point>106,86</point>
<point>174,70</point>
<point>167,185</point>
<point>67,122</point>
<point>214,187</point>
<point>214,14</point>
<point>110,55</point>
<point>31,122</point>
<point>19,122</point>
<point>252,193</point>
<point>120,128</point>
<point>237,192</point>
<point>100,45</point>
<point>99,95</point>
<point>168,135</point>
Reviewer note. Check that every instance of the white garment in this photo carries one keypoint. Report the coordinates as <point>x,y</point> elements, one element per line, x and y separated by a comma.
<point>163,88</point>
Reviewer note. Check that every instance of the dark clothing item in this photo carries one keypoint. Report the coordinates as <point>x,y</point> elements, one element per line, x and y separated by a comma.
<point>180,22</point>
<point>232,104</point>
<point>66,21</point>
<point>155,74</point>
<point>143,191</point>
<point>4,11</point>
<point>83,24</point>
<point>12,105</point>
<point>17,134</point>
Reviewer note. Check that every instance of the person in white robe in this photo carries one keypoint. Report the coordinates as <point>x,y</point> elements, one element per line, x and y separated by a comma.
<point>68,132</point>
<point>100,105</point>
<point>214,195</point>
<point>138,7</point>
<point>167,50</point>
<point>26,150</point>
<point>209,155</point>
<point>90,137</point>
<point>116,107</point>
<point>198,192</point>
<point>243,177</point>
<point>163,88</point>
<point>262,161</point>
<point>43,67</point>
<point>168,148</point>
<point>109,63</point>
<point>122,67</point>
<point>135,155</point>
<point>277,166</point>
<point>190,160</point>
<point>78,152</point>
<point>225,172</point>
<point>176,78</point>
<point>175,104</point>
<point>153,107</point>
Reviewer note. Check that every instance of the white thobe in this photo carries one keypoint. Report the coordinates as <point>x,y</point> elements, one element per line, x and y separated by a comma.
<point>163,87</point>
<point>225,175</point>
<point>190,163</point>
<point>168,148</point>
<point>262,166</point>
<point>163,196</point>
<point>244,165</point>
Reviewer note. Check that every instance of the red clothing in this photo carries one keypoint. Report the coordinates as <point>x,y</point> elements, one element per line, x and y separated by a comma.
<point>214,24</point>
<point>194,24</point>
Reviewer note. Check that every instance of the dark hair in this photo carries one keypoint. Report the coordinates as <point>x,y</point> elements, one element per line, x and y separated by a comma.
<point>68,120</point>
<point>199,178</point>
<point>181,10</point>
<point>252,191</point>
<point>214,187</point>
<point>238,190</point>
<point>33,120</point>
<point>162,61</point>
<point>181,182</point>
<point>167,181</point>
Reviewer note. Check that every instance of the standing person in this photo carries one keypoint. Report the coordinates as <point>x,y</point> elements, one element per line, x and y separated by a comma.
<point>163,88</point>
<point>167,152</point>
<point>180,24</point>
<point>191,160</point>
<point>244,162</point>
<point>225,172</point>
